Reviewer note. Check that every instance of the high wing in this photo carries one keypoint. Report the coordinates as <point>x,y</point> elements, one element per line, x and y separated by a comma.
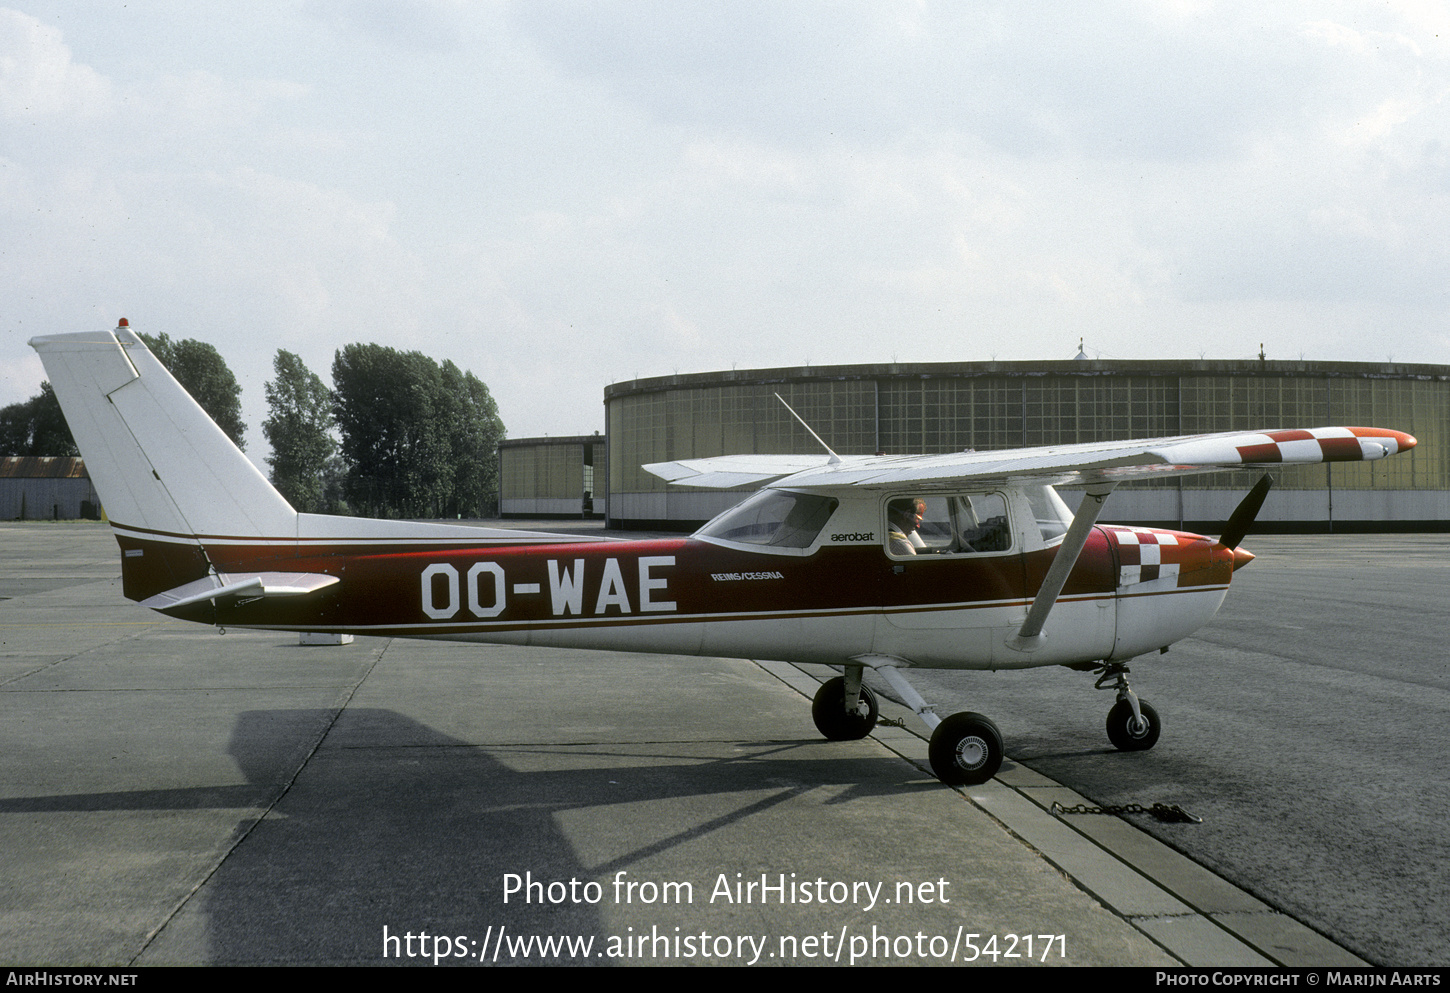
<point>1069,465</point>
<point>725,471</point>
<point>1097,468</point>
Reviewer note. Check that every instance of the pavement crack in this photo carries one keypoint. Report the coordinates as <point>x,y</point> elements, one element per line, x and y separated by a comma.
<point>242,836</point>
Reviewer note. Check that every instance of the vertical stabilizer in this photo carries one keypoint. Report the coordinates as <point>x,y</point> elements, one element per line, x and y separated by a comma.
<point>163,469</point>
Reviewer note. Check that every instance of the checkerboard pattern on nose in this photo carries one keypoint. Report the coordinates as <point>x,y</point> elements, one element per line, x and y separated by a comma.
<point>1145,554</point>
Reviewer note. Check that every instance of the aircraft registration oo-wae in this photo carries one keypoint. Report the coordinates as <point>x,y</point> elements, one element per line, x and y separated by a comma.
<point>968,560</point>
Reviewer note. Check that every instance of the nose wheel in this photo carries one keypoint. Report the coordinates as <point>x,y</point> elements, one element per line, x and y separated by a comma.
<point>1133,724</point>
<point>1131,732</point>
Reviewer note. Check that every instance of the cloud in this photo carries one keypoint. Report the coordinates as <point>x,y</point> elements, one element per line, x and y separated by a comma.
<point>38,79</point>
<point>558,194</point>
<point>416,25</point>
<point>1120,80</point>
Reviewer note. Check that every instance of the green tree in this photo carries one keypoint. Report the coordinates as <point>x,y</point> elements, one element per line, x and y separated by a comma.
<point>36,427</point>
<point>384,401</point>
<point>474,431</point>
<point>417,439</point>
<point>300,433</point>
<point>203,373</point>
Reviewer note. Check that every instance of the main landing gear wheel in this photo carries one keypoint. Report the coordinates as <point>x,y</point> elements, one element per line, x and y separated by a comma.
<point>965,749</point>
<point>829,712</point>
<point>1128,734</point>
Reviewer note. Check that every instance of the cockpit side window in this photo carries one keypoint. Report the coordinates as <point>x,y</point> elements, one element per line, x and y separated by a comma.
<point>952,525</point>
<point>774,518</point>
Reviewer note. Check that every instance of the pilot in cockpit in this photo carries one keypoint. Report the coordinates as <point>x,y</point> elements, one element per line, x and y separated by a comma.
<point>903,518</point>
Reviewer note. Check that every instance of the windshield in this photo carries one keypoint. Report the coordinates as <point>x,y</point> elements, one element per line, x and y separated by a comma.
<point>777,518</point>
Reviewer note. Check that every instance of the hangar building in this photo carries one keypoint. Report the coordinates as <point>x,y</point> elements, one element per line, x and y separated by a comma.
<point>46,488</point>
<point>942,407</point>
<point>544,478</point>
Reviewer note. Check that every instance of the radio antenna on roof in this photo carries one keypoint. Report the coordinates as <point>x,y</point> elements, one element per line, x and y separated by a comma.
<point>834,457</point>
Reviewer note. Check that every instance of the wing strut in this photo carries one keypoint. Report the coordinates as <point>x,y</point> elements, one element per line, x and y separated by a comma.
<point>1031,636</point>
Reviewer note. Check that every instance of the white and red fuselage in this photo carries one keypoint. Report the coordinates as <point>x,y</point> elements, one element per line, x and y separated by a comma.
<point>1133,590</point>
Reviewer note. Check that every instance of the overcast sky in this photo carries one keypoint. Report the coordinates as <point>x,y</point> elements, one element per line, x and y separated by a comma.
<point>560,195</point>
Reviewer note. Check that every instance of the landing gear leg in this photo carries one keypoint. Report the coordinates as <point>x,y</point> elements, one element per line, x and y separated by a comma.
<point>1133,724</point>
<point>965,749</point>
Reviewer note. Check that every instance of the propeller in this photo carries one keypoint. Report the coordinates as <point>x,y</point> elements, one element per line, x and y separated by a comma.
<point>1243,516</point>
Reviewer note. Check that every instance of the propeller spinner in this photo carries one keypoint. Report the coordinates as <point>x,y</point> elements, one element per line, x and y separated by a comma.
<point>1243,518</point>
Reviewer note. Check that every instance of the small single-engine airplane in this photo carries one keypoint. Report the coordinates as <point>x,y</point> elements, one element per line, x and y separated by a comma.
<point>968,560</point>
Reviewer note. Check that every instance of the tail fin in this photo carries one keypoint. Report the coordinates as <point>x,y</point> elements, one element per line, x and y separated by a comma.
<point>168,476</point>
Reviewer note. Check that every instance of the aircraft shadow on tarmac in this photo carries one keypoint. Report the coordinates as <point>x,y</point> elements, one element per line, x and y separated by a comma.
<point>393,823</point>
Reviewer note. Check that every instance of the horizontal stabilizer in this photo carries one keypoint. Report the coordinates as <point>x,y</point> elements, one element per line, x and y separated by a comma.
<point>263,584</point>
